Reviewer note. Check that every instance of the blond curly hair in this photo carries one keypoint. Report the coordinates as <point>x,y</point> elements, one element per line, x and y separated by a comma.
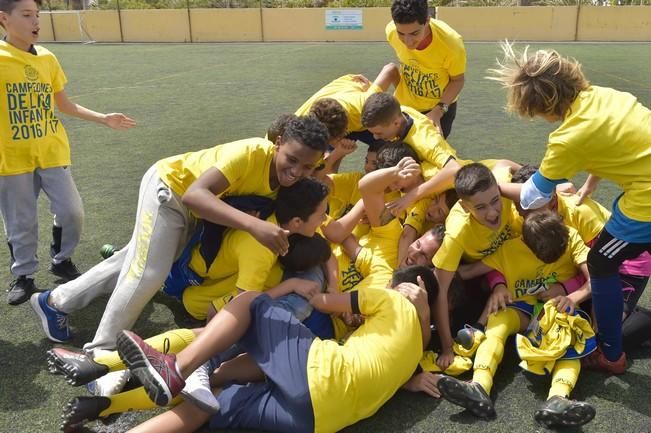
<point>540,84</point>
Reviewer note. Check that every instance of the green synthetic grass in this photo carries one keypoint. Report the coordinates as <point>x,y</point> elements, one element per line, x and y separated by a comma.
<point>187,97</point>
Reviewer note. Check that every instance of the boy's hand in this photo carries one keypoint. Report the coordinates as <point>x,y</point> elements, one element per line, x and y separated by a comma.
<point>499,299</point>
<point>272,237</point>
<point>554,290</point>
<point>345,146</point>
<point>352,320</point>
<point>365,82</point>
<point>425,382</point>
<point>564,304</point>
<point>445,359</point>
<point>118,121</point>
<point>397,207</point>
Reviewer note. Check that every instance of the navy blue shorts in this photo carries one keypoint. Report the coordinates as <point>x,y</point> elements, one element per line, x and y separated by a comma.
<point>280,344</point>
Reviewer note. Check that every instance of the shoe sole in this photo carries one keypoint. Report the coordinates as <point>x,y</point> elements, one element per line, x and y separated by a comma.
<point>73,419</point>
<point>454,393</point>
<point>578,415</point>
<point>136,361</point>
<point>71,373</point>
<point>33,300</point>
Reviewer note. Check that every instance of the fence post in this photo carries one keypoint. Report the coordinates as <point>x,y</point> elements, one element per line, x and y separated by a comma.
<point>261,22</point>
<point>187,5</point>
<point>54,35</point>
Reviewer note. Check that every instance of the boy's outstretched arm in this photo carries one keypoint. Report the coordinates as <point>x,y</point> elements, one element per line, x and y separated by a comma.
<point>112,120</point>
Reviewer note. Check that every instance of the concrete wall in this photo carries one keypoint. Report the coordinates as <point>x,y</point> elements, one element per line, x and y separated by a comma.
<point>567,23</point>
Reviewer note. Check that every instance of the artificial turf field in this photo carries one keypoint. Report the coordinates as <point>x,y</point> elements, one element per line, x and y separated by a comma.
<point>188,97</point>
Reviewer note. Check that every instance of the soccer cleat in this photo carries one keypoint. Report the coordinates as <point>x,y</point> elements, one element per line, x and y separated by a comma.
<point>76,367</point>
<point>560,412</point>
<point>81,410</point>
<point>469,395</point>
<point>156,371</point>
<point>198,392</point>
<point>54,322</point>
<point>110,384</point>
<point>66,270</point>
<point>598,361</point>
<point>20,290</point>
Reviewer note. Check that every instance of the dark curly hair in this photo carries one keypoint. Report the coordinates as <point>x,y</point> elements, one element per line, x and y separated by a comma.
<point>409,11</point>
<point>332,114</point>
<point>307,130</point>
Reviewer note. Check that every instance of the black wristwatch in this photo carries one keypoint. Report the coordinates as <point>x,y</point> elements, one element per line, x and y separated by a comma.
<point>444,107</point>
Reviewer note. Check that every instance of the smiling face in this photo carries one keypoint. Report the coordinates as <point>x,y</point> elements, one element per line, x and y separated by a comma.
<point>438,210</point>
<point>412,34</point>
<point>21,24</point>
<point>293,161</point>
<point>422,250</point>
<point>485,207</point>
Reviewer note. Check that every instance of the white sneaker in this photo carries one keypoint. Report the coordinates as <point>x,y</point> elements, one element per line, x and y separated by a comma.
<point>109,384</point>
<point>198,392</point>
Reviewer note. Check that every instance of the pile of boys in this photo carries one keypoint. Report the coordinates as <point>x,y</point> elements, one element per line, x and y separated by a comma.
<point>315,284</point>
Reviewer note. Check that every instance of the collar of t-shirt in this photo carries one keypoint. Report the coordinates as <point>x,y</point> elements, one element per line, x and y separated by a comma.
<point>425,42</point>
<point>31,49</point>
<point>410,123</point>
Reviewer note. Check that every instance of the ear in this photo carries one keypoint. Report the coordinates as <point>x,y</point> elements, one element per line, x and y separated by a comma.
<point>294,224</point>
<point>464,205</point>
<point>278,142</point>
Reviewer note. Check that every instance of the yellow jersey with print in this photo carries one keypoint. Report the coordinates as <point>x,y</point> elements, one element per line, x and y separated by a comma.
<point>425,139</point>
<point>240,253</point>
<point>424,74</point>
<point>352,381</point>
<point>246,165</point>
<point>350,93</point>
<point>588,218</point>
<point>31,135</point>
<point>526,275</point>
<point>466,239</point>
<point>608,134</point>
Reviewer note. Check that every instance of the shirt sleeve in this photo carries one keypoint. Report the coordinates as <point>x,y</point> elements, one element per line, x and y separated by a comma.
<point>449,255</point>
<point>233,161</point>
<point>458,61</point>
<point>254,265</point>
<point>59,79</point>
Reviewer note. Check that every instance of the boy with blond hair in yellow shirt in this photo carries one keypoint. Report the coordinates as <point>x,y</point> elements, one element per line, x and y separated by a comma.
<point>34,149</point>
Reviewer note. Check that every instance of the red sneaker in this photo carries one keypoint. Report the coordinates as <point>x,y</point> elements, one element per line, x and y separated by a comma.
<point>598,361</point>
<point>157,371</point>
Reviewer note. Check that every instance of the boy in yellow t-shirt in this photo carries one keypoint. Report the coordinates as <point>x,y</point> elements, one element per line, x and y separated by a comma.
<point>34,149</point>
<point>174,193</point>
<point>547,251</point>
<point>432,62</point>
<point>606,133</point>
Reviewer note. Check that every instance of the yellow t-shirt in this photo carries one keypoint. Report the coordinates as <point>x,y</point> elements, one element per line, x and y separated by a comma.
<point>426,140</point>
<point>526,275</point>
<point>349,93</point>
<point>471,241</point>
<point>608,134</point>
<point>587,218</point>
<point>31,135</point>
<point>344,193</point>
<point>240,253</point>
<point>351,382</point>
<point>424,74</point>
<point>245,164</point>
<point>417,216</point>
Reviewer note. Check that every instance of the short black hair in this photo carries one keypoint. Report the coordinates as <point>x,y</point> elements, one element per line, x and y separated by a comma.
<point>7,6</point>
<point>332,114</point>
<point>438,231</point>
<point>391,153</point>
<point>379,108</point>
<point>299,200</point>
<point>473,178</point>
<point>305,252</point>
<point>277,127</point>
<point>524,173</point>
<point>307,130</point>
<point>451,197</point>
<point>409,11</point>
<point>410,274</point>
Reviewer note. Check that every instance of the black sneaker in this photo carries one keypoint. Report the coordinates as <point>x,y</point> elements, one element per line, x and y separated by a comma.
<point>80,410</point>
<point>20,290</point>
<point>66,270</point>
<point>76,367</point>
<point>562,412</point>
<point>469,395</point>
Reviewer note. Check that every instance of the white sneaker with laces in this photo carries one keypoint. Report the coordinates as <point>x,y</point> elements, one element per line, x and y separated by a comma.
<point>109,384</point>
<point>198,392</point>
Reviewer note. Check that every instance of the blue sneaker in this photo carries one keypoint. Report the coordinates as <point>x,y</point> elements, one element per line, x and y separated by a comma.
<point>54,322</point>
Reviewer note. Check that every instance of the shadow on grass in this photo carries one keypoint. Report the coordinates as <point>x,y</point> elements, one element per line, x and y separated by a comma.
<point>20,364</point>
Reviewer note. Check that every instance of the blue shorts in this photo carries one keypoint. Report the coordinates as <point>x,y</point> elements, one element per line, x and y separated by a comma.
<point>280,345</point>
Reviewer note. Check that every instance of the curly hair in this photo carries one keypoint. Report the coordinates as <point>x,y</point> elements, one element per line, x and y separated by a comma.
<point>307,130</point>
<point>277,127</point>
<point>409,11</point>
<point>542,83</point>
<point>332,114</point>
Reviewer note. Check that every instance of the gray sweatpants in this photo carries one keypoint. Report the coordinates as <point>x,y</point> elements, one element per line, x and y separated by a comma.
<point>18,204</point>
<point>136,272</point>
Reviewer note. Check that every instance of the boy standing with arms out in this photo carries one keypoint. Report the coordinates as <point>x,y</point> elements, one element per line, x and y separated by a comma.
<point>432,62</point>
<point>35,153</point>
